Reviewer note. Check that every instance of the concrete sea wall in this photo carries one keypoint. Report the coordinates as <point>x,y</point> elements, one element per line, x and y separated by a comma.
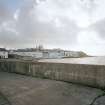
<point>91,75</point>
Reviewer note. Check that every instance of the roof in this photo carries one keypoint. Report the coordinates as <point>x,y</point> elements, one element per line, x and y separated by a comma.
<point>2,49</point>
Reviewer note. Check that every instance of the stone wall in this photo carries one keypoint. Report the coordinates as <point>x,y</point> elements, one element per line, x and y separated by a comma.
<point>91,75</point>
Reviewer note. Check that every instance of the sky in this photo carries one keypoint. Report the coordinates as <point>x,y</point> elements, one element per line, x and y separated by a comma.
<point>66,24</point>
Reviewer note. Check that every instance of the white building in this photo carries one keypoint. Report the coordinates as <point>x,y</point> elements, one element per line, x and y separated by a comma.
<point>34,54</point>
<point>74,54</point>
<point>3,53</point>
<point>55,53</point>
<point>46,53</point>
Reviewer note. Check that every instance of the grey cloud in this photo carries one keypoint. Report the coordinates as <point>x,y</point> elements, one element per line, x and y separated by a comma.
<point>5,13</point>
<point>45,32</point>
<point>100,28</point>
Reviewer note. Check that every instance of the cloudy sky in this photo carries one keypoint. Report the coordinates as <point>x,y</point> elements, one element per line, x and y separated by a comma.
<point>66,24</point>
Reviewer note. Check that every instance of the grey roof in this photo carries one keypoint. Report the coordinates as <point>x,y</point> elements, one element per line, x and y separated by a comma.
<point>2,49</point>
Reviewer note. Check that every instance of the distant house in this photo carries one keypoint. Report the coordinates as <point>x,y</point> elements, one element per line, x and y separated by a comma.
<point>54,53</point>
<point>3,53</point>
<point>27,54</point>
<point>74,54</point>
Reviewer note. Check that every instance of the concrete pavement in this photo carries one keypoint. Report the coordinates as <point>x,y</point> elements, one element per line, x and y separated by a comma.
<point>24,90</point>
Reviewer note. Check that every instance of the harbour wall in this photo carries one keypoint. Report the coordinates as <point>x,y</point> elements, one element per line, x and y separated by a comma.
<point>90,75</point>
